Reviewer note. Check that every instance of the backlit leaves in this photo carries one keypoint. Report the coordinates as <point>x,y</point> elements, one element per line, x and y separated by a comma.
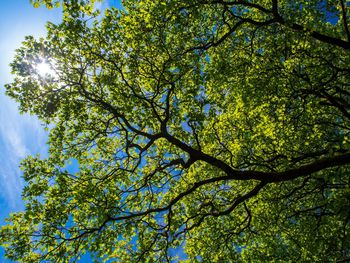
<point>191,131</point>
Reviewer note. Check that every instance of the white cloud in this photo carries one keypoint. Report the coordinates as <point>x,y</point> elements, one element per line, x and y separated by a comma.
<point>20,135</point>
<point>11,183</point>
<point>15,142</point>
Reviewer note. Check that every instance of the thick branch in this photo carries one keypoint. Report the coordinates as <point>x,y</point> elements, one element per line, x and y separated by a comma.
<point>317,35</point>
<point>264,177</point>
<point>277,18</point>
<point>261,176</point>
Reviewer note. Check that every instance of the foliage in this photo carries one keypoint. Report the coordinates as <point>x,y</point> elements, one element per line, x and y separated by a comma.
<point>209,131</point>
<point>69,7</point>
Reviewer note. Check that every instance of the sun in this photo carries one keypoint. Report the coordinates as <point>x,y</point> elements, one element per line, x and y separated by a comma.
<point>44,69</point>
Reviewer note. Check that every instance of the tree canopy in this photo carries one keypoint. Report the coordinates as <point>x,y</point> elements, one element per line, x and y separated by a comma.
<point>202,131</point>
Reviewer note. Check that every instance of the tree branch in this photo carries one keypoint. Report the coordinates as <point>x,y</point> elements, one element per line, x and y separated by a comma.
<point>345,22</point>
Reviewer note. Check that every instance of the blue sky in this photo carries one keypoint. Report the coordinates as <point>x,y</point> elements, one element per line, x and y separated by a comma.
<point>20,135</point>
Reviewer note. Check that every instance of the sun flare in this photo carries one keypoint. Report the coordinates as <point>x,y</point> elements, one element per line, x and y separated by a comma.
<point>44,69</point>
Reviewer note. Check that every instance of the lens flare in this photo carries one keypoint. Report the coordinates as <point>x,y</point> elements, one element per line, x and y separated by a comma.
<point>44,69</point>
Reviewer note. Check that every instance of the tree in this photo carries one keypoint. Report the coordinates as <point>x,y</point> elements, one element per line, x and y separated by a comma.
<point>216,129</point>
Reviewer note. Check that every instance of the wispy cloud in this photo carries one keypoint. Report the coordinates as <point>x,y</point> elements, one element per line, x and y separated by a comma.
<point>11,183</point>
<point>20,136</point>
